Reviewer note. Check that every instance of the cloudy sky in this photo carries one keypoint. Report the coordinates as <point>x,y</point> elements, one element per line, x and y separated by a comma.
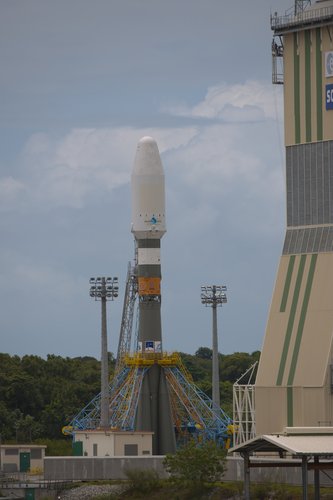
<point>81,82</point>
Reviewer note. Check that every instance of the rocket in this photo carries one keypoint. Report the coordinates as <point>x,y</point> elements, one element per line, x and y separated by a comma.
<point>148,228</point>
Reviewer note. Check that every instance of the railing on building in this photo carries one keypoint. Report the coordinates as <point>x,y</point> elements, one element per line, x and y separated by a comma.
<point>280,24</point>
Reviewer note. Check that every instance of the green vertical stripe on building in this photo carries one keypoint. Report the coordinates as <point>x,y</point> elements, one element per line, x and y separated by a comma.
<point>290,407</point>
<point>297,103</point>
<point>319,85</point>
<point>287,283</point>
<point>300,328</point>
<point>308,128</point>
<point>291,320</point>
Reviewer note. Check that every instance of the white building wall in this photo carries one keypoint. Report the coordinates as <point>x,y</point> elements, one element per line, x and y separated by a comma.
<point>98,443</point>
<point>10,456</point>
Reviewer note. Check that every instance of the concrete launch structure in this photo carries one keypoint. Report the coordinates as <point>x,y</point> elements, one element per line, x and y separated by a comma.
<point>148,227</point>
<point>294,384</point>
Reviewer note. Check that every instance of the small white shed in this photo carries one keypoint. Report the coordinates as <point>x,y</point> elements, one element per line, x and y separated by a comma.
<point>21,457</point>
<point>111,443</point>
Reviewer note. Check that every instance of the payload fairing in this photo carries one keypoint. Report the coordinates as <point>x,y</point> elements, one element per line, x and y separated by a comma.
<point>148,227</point>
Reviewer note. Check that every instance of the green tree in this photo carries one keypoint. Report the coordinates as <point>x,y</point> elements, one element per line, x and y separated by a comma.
<point>194,465</point>
<point>199,368</point>
<point>232,366</point>
<point>204,353</point>
<point>39,396</point>
<point>6,420</point>
<point>226,392</point>
<point>27,429</point>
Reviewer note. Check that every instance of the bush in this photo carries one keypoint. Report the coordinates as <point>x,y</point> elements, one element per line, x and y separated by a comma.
<point>56,447</point>
<point>142,481</point>
<point>197,464</point>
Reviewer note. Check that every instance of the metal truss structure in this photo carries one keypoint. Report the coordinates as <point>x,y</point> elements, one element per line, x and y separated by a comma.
<point>192,409</point>
<point>244,407</point>
<point>89,416</point>
<point>126,327</point>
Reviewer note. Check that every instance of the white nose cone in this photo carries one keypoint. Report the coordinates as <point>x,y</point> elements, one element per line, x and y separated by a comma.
<point>148,193</point>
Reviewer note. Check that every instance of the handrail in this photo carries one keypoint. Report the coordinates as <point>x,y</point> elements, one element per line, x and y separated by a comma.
<point>151,358</point>
<point>307,16</point>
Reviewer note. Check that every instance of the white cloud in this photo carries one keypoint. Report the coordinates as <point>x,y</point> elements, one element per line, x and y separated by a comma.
<point>68,170</point>
<point>209,162</point>
<point>251,101</point>
<point>225,158</point>
<point>10,191</point>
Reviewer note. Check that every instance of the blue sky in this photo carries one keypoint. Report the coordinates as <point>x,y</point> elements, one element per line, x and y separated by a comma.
<point>81,82</point>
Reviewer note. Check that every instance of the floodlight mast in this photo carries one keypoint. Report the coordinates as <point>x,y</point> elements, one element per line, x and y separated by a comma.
<point>104,289</point>
<point>214,296</point>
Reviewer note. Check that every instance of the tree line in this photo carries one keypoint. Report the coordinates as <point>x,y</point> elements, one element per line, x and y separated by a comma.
<point>39,396</point>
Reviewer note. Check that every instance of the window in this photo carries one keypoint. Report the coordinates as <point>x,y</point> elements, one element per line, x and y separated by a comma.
<point>11,451</point>
<point>35,454</point>
<point>131,450</point>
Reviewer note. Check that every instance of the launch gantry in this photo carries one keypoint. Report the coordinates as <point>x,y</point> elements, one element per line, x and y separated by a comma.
<point>126,327</point>
<point>192,410</point>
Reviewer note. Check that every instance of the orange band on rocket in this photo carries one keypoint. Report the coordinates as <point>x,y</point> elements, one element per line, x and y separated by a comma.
<point>149,286</point>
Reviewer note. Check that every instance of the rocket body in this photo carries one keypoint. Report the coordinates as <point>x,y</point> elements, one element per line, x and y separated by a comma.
<point>148,227</point>
<point>148,192</point>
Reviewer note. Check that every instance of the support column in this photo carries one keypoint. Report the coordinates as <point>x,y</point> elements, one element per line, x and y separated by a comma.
<point>316,479</point>
<point>305,477</point>
<point>246,459</point>
<point>104,423</point>
<point>215,363</point>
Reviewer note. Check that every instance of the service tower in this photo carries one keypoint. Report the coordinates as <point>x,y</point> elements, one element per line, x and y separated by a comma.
<point>148,227</point>
<point>294,385</point>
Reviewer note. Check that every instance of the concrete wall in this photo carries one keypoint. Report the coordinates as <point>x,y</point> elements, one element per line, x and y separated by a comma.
<point>82,468</point>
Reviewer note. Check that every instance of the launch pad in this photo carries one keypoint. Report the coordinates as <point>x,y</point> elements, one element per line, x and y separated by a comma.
<point>191,409</point>
<point>151,391</point>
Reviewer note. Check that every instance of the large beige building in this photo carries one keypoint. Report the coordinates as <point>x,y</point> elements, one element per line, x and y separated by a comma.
<point>294,385</point>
